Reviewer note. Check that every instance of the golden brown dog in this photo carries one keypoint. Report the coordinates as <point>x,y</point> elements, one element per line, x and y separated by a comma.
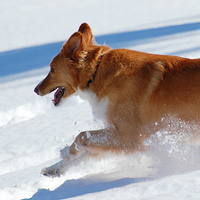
<point>137,90</point>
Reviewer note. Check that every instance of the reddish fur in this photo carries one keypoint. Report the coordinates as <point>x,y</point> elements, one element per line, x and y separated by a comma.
<point>141,88</point>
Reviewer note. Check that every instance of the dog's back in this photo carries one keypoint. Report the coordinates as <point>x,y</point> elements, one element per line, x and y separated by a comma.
<point>147,86</point>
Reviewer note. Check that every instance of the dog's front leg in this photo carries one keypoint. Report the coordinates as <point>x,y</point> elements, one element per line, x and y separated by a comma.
<point>86,144</point>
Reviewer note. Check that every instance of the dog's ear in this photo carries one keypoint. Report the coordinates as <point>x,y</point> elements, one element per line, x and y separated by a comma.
<point>73,47</point>
<point>87,33</point>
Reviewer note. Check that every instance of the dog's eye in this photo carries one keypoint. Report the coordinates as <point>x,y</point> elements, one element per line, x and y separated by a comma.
<point>52,70</point>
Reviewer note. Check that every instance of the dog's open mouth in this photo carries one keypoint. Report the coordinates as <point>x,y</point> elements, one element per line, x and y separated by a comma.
<point>58,95</point>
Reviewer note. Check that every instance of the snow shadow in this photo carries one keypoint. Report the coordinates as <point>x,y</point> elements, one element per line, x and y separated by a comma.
<point>25,59</point>
<point>21,60</point>
<point>74,188</point>
<point>131,38</point>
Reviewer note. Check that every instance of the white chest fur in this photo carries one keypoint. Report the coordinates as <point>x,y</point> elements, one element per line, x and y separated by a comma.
<point>98,108</point>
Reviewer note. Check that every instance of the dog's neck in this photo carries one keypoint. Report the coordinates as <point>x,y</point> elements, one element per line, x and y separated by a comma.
<point>96,69</point>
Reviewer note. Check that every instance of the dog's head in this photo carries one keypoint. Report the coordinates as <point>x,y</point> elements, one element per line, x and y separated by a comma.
<point>64,75</point>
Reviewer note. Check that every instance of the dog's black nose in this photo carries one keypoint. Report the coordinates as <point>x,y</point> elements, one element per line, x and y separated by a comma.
<point>36,90</point>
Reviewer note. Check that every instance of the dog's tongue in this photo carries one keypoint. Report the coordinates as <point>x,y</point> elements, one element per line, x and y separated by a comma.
<point>58,95</point>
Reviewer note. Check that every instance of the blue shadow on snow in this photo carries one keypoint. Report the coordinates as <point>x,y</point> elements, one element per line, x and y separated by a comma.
<point>75,188</point>
<point>20,60</point>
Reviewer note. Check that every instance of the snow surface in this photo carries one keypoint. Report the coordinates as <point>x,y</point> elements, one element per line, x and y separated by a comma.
<point>32,130</point>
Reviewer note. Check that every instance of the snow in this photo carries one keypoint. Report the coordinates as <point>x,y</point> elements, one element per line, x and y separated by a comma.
<point>33,131</point>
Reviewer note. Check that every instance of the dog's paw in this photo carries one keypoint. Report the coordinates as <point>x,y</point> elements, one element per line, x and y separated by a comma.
<point>55,170</point>
<point>50,172</point>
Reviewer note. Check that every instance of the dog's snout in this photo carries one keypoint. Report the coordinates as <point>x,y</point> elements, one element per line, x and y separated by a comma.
<point>36,90</point>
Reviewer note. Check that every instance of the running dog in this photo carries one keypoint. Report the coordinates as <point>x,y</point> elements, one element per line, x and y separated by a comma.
<point>136,90</point>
